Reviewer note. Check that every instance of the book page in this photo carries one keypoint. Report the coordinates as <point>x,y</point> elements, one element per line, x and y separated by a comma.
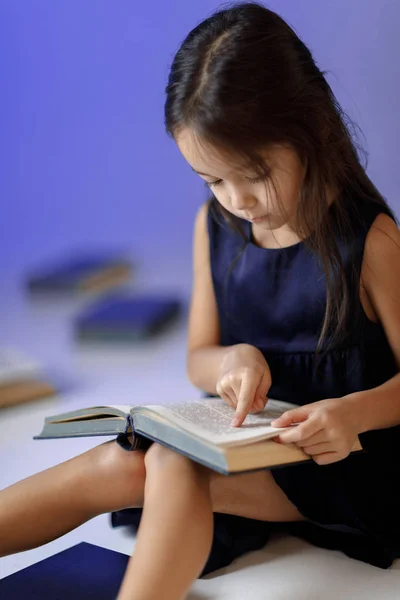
<point>210,419</point>
<point>94,412</point>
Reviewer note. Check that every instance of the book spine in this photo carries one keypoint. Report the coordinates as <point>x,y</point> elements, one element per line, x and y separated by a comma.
<point>131,440</point>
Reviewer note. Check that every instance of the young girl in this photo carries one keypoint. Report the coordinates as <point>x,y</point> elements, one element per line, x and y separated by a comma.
<point>296,296</point>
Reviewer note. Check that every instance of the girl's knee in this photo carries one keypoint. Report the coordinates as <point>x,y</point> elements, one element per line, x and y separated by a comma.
<point>159,457</point>
<point>111,462</point>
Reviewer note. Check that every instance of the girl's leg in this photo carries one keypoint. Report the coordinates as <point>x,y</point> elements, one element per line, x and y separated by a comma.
<point>252,495</point>
<point>48,505</point>
<point>176,529</point>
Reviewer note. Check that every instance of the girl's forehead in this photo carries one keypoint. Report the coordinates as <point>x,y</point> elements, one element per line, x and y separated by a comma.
<point>205,158</point>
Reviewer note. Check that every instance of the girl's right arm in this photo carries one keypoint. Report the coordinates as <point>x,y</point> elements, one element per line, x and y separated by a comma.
<point>204,352</point>
<point>239,374</point>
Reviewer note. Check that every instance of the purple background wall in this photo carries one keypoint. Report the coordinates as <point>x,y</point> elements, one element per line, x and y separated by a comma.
<point>84,158</point>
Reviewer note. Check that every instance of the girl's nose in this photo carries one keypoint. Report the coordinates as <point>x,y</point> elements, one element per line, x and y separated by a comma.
<point>242,200</point>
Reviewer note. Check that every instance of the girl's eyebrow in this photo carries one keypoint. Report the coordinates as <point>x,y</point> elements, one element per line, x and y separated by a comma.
<point>205,174</point>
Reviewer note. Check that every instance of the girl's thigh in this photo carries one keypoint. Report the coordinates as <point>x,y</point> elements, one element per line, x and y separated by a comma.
<point>252,495</point>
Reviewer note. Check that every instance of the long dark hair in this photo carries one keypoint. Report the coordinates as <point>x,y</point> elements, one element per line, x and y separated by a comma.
<point>242,80</point>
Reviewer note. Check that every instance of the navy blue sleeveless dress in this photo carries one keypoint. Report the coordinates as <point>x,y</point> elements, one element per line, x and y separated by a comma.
<point>275,299</point>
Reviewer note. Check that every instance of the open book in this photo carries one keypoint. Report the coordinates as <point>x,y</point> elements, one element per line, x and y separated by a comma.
<point>199,429</point>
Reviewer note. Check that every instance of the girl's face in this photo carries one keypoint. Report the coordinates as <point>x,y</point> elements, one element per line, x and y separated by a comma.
<point>241,192</point>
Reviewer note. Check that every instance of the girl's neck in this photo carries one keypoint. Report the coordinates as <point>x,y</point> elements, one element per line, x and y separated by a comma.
<point>274,238</point>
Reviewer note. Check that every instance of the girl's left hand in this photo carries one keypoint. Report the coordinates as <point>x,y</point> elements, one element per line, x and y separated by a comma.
<point>327,431</point>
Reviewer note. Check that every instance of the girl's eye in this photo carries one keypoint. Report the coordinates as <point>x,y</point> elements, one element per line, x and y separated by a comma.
<point>213,183</point>
<point>255,179</point>
<point>219,181</point>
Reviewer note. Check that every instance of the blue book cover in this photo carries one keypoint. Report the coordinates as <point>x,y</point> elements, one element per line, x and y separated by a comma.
<point>84,571</point>
<point>126,318</point>
<point>78,273</point>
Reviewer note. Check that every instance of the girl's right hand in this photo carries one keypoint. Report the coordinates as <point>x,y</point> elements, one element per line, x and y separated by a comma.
<point>244,381</point>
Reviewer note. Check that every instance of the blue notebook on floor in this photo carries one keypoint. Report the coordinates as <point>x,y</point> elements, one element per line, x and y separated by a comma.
<point>85,571</point>
<point>126,318</point>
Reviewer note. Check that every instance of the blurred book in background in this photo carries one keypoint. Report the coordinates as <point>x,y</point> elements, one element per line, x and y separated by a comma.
<point>79,274</point>
<point>126,318</point>
<point>21,379</point>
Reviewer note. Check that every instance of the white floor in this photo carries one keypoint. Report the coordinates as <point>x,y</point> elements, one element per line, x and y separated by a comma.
<point>286,568</point>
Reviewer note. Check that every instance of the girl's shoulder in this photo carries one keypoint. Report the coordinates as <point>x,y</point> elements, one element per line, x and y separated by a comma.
<point>383,231</point>
<point>202,216</point>
<point>367,223</point>
<point>370,211</point>
<point>382,248</point>
<point>380,277</point>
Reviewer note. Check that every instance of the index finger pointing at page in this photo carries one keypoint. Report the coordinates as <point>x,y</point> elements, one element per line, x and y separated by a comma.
<point>246,396</point>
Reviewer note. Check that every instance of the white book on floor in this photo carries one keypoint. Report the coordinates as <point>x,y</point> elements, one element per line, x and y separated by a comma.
<point>16,366</point>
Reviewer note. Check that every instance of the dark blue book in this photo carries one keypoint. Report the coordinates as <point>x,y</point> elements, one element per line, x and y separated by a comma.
<point>79,274</point>
<point>121,318</point>
<point>84,571</point>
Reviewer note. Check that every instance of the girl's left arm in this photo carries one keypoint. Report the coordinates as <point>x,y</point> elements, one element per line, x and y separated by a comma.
<point>329,428</point>
<point>380,407</point>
